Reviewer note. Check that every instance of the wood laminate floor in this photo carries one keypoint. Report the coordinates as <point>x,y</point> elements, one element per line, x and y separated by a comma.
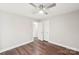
<point>40,48</point>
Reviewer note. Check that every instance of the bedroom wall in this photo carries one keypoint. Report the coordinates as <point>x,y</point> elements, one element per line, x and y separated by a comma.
<point>14,30</point>
<point>64,30</point>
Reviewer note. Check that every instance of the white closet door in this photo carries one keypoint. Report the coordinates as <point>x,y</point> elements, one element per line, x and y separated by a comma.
<point>43,30</point>
<point>40,31</point>
<point>46,30</point>
<point>35,29</point>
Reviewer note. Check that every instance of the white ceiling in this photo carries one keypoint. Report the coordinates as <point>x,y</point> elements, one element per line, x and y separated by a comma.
<point>25,9</point>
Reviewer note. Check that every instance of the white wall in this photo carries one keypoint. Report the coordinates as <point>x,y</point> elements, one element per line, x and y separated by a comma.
<point>64,30</point>
<point>0,31</point>
<point>15,30</point>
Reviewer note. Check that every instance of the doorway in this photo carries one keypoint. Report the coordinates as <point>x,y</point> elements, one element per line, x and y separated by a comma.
<point>41,30</point>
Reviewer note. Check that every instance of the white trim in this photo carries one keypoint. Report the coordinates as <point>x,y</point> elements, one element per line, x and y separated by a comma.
<point>15,46</point>
<point>75,49</point>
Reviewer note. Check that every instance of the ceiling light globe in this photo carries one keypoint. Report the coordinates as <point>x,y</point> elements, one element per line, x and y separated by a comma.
<point>41,12</point>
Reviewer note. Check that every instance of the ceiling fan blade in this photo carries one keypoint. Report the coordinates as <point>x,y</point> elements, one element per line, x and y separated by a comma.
<point>50,6</point>
<point>41,6</point>
<point>32,4</point>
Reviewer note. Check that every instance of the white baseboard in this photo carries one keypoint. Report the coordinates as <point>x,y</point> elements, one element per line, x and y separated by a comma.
<point>15,46</point>
<point>75,49</point>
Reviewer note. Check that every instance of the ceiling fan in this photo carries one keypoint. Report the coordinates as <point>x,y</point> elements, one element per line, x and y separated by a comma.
<point>42,8</point>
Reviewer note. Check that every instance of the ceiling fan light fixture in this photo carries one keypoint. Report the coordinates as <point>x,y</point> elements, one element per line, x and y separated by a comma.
<point>41,12</point>
<point>43,8</point>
